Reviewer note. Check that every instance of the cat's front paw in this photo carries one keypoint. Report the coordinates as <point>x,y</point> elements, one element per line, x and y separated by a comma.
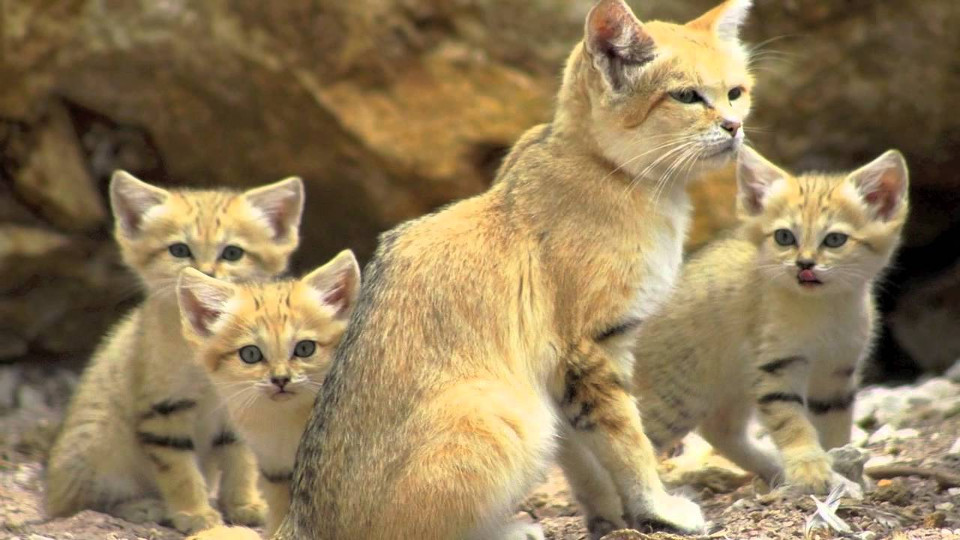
<point>191,522</point>
<point>669,512</point>
<point>810,472</point>
<point>250,513</point>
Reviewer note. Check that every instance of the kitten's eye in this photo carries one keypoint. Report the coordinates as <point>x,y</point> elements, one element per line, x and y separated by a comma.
<point>687,95</point>
<point>835,240</point>
<point>251,354</point>
<point>232,253</point>
<point>784,237</point>
<point>732,95</point>
<point>179,250</point>
<point>305,348</point>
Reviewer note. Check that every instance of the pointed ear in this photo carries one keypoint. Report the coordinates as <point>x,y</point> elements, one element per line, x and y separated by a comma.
<point>724,20</point>
<point>281,203</point>
<point>131,198</point>
<point>202,300</point>
<point>883,183</point>
<point>617,42</point>
<point>755,177</point>
<point>338,283</point>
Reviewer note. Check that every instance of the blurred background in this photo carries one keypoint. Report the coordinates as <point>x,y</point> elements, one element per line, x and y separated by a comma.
<point>389,109</point>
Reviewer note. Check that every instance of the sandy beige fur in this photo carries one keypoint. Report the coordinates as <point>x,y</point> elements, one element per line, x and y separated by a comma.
<point>145,435</point>
<point>498,330</point>
<point>294,326</point>
<point>742,335</point>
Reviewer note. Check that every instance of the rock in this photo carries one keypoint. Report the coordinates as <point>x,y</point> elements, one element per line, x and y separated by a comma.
<point>888,433</point>
<point>892,491</point>
<point>879,461</point>
<point>391,109</point>
<point>945,506</point>
<point>858,436</point>
<point>954,448</point>
<point>30,398</point>
<point>9,381</point>
<point>55,177</point>
<point>934,520</point>
<point>849,461</point>
<point>953,373</point>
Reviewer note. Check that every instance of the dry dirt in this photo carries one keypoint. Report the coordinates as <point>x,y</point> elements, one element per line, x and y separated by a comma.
<point>903,507</point>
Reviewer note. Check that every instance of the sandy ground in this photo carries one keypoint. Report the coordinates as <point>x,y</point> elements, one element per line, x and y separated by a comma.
<point>736,505</point>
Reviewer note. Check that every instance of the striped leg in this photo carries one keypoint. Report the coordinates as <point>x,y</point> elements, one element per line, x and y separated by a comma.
<point>593,488</point>
<point>276,489</point>
<point>604,420</point>
<point>239,499</point>
<point>779,389</point>
<point>830,405</point>
<point>164,432</point>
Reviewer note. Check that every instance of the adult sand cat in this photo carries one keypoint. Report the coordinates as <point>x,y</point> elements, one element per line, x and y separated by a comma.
<point>144,419</point>
<point>267,347</point>
<point>776,319</point>
<point>490,333</point>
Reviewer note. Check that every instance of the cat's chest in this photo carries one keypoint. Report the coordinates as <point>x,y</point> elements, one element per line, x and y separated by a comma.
<point>273,434</point>
<point>657,262</point>
<point>828,334</point>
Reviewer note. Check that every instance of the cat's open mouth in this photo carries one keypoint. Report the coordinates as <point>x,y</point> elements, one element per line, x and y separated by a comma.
<point>808,278</point>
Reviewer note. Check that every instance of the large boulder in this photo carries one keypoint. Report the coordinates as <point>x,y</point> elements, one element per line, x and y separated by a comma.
<point>389,108</point>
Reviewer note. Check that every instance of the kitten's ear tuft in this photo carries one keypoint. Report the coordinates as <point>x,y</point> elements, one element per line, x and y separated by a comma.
<point>755,177</point>
<point>338,283</point>
<point>724,20</point>
<point>131,198</point>
<point>883,184</point>
<point>617,42</point>
<point>281,203</point>
<point>202,301</point>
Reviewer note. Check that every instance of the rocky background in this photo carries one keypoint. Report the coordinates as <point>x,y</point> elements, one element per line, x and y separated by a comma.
<point>389,108</point>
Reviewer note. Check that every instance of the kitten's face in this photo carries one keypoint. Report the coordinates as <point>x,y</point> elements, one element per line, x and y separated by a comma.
<point>667,100</point>
<point>824,233</point>
<point>225,234</point>
<point>269,344</point>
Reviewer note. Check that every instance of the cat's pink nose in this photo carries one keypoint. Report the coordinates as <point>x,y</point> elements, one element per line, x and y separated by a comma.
<point>731,127</point>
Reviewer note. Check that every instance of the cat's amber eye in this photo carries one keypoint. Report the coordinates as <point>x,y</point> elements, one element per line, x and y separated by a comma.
<point>232,253</point>
<point>784,237</point>
<point>735,94</point>
<point>834,240</point>
<point>305,348</point>
<point>180,250</point>
<point>687,95</point>
<point>250,354</point>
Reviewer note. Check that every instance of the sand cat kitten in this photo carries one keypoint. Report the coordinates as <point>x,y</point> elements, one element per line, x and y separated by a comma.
<point>267,347</point>
<point>493,331</point>
<point>144,419</point>
<point>776,319</point>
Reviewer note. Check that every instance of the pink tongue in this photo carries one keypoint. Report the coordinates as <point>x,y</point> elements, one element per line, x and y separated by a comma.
<point>807,275</point>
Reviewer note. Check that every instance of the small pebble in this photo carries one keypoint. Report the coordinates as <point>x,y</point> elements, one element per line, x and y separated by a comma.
<point>955,448</point>
<point>934,520</point>
<point>945,506</point>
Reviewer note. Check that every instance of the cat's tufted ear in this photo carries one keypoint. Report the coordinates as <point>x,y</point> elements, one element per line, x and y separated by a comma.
<point>617,42</point>
<point>131,198</point>
<point>755,178</point>
<point>202,301</point>
<point>883,184</point>
<point>281,203</point>
<point>337,283</point>
<point>724,20</point>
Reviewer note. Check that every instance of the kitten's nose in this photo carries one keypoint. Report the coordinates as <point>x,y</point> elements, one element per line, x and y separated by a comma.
<point>280,381</point>
<point>806,264</point>
<point>731,127</point>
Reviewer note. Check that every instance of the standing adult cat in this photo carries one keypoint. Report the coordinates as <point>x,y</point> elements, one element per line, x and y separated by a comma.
<point>493,332</point>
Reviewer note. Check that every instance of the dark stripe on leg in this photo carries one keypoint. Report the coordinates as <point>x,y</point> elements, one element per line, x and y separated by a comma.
<point>168,407</point>
<point>780,396</point>
<point>277,477</point>
<point>839,403</point>
<point>224,438</point>
<point>780,363</point>
<point>176,443</point>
